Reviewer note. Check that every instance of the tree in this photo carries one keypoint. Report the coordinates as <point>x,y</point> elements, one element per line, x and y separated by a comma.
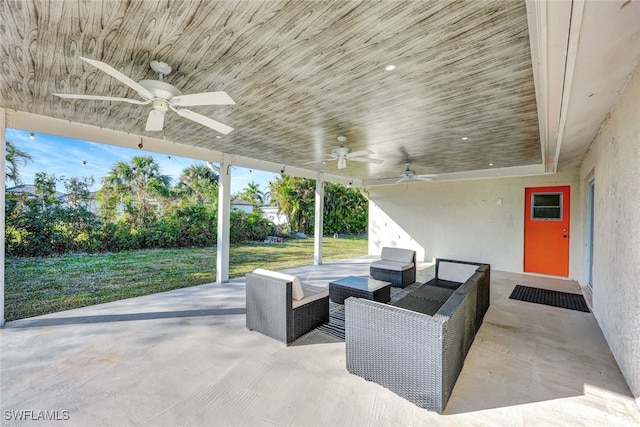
<point>14,157</point>
<point>136,185</point>
<point>295,197</point>
<point>345,209</point>
<point>78,191</point>
<point>45,189</point>
<point>199,184</point>
<point>37,220</point>
<point>40,224</point>
<point>251,193</point>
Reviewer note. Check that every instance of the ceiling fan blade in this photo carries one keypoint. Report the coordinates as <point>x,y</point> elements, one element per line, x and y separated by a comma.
<point>203,120</point>
<point>360,153</point>
<point>213,167</point>
<point>366,160</point>
<point>155,121</point>
<point>317,161</point>
<point>428,175</point>
<point>422,178</point>
<point>119,76</point>
<point>101,98</point>
<point>403,179</point>
<point>205,98</point>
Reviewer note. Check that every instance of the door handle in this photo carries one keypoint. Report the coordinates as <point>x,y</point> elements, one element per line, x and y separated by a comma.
<point>565,236</point>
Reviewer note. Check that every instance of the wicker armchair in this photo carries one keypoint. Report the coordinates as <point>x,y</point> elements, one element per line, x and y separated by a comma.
<point>395,265</point>
<point>272,310</point>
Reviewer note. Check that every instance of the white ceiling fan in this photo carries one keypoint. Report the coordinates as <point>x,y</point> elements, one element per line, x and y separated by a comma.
<point>342,154</point>
<point>407,175</point>
<point>162,97</point>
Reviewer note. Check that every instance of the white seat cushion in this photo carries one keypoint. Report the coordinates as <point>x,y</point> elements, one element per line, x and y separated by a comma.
<point>296,287</point>
<point>455,272</point>
<point>391,265</point>
<point>311,293</point>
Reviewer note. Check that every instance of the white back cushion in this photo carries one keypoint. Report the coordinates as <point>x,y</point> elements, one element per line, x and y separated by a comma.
<point>455,272</point>
<point>397,254</point>
<point>296,287</point>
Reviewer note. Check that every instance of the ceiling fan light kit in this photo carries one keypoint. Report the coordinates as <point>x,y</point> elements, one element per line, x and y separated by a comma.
<point>162,96</point>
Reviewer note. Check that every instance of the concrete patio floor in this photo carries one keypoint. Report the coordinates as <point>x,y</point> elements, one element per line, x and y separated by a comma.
<point>184,357</point>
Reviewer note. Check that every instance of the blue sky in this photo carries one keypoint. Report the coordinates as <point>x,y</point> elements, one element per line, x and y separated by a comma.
<point>64,157</point>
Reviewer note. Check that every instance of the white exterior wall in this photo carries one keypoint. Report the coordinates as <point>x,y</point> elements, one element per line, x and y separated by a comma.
<point>614,162</point>
<point>274,215</point>
<point>476,220</point>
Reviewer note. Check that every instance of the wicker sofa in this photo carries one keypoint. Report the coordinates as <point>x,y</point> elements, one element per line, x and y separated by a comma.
<point>396,265</point>
<point>281,307</point>
<point>416,346</point>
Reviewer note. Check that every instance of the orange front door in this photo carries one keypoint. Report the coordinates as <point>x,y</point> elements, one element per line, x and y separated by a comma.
<point>546,230</point>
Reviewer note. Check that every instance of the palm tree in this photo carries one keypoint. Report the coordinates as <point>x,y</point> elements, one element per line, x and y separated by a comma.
<point>135,184</point>
<point>198,181</point>
<point>14,157</point>
<point>252,193</point>
<point>295,197</point>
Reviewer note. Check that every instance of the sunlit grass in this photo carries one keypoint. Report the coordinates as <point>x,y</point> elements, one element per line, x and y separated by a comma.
<point>36,286</point>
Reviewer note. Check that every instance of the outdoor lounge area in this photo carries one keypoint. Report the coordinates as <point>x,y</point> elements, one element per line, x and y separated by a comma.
<point>497,132</point>
<point>186,357</point>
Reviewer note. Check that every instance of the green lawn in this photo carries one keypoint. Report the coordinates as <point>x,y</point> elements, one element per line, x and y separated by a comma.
<point>36,286</point>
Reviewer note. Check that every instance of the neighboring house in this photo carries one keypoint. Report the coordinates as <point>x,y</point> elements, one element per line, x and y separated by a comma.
<point>242,205</point>
<point>273,214</point>
<point>90,203</point>
<point>29,190</point>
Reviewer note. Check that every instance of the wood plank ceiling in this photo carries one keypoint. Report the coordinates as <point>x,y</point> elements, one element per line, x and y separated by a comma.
<point>301,73</point>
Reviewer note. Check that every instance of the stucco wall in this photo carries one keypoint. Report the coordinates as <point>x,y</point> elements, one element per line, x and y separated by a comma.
<point>479,220</point>
<point>614,163</point>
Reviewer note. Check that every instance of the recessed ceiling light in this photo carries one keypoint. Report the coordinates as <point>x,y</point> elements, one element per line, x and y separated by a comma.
<point>491,164</point>
<point>390,67</point>
<point>464,138</point>
<point>218,137</point>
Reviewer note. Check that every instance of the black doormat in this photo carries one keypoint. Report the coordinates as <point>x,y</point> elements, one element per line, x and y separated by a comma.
<point>547,297</point>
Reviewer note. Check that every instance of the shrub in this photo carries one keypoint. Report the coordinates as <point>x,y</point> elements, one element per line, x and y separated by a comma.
<point>249,227</point>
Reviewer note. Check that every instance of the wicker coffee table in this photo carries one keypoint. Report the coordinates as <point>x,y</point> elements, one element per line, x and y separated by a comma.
<point>360,287</point>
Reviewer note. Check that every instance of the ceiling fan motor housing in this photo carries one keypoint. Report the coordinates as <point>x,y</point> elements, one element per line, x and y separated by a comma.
<point>340,151</point>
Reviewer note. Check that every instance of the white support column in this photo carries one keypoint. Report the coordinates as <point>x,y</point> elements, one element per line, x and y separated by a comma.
<point>224,206</point>
<point>317,230</point>
<point>3,148</point>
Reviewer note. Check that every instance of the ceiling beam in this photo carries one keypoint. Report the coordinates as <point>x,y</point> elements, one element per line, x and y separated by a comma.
<point>572,52</point>
<point>527,170</point>
<point>549,31</point>
<point>41,124</point>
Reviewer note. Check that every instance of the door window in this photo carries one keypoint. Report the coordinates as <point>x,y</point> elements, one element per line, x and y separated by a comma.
<point>546,206</point>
